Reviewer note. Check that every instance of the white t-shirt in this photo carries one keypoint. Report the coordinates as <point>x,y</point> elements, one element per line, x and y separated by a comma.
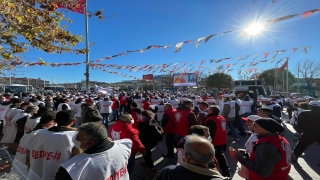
<point>48,150</point>
<point>107,165</point>
<point>155,101</point>
<point>2,110</point>
<point>31,124</point>
<point>105,106</point>
<point>232,112</point>
<point>175,103</point>
<point>241,111</point>
<point>60,106</point>
<point>139,102</point>
<point>77,109</point>
<point>160,111</point>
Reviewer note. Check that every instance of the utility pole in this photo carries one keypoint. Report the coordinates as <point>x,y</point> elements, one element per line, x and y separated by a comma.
<point>87,46</point>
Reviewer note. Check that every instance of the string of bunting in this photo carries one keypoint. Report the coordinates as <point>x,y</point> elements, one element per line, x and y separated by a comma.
<point>205,39</point>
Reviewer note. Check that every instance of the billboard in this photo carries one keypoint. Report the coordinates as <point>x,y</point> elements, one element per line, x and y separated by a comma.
<point>188,79</point>
<point>147,77</point>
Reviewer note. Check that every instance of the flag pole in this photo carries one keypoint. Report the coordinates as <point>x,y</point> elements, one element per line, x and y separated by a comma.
<point>298,77</point>
<point>87,46</point>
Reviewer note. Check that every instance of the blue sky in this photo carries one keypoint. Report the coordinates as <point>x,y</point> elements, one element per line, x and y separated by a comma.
<point>140,23</point>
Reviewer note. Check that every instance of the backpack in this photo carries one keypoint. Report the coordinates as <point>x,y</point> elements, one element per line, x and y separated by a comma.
<point>157,131</point>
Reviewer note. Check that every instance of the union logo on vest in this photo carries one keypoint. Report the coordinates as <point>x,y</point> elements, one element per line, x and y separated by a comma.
<point>178,116</point>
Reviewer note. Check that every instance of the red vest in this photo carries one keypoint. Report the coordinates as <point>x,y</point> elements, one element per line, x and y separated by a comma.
<point>115,104</point>
<point>137,119</point>
<point>123,100</point>
<point>282,168</point>
<point>170,126</point>
<point>220,136</point>
<point>181,121</point>
<point>119,130</point>
<point>146,105</point>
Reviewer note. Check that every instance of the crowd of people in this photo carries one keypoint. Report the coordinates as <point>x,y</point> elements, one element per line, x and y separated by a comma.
<point>66,135</point>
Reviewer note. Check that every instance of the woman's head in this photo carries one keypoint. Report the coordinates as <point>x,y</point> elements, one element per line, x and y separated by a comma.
<point>146,114</point>
<point>127,118</point>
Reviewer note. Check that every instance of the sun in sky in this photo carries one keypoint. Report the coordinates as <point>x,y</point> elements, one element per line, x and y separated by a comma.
<point>254,29</point>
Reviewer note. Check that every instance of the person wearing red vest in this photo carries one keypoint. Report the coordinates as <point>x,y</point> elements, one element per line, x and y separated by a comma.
<point>218,132</point>
<point>136,114</point>
<point>146,104</point>
<point>168,125</point>
<point>123,103</point>
<point>123,129</point>
<point>271,155</point>
<point>184,119</point>
<point>115,108</point>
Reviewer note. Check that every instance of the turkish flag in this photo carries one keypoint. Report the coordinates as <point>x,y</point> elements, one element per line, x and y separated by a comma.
<point>285,65</point>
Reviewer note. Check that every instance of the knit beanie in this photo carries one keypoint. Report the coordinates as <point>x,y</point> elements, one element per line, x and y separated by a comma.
<point>270,125</point>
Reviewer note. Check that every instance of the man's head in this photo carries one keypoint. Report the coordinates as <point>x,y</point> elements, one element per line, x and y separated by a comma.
<point>32,109</point>
<point>65,118</point>
<point>267,125</point>
<point>66,100</point>
<point>188,104</point>
<point>90,134</point>
<point>213,110</point>
<point>198,150</point>
<point>233,96</point>
<point>264,112</point>
<point>265,101</point>
<point>203,105</point>
<point>250,120</point>
<point>48,119</point>
<point>168,106</point>
<point>16,102</point>
<point>314,105</point>
<point>199,130</point>
<point>25,105</point>
<point>226,97</point>
<point>133,105</point>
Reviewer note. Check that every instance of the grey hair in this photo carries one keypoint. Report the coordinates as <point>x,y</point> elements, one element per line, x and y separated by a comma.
<point>31,109</point>
<point>94,130</point>
<point>191,150</point>
<point>11,176</point>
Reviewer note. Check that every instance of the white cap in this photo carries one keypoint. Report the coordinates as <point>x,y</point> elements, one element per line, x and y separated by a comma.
<point>265,99</point>
<point>226,95</point>
<point>81,97</point>
<point>15,97</point>
<point>301,99</point>
<point>253,117</point>
<point>232,95</point>
<point>314,103</point>
<point>211,101</point>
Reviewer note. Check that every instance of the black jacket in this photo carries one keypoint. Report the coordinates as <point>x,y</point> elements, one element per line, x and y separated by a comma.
<point>90,114</point>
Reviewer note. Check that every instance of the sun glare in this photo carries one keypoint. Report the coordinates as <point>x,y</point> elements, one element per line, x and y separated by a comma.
<point>254,29</point>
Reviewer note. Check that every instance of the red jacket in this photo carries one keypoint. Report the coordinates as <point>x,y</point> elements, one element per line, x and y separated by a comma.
<point>220,136</point>
<point>181,122</point>
<point>122,130</point>
<point>170,126</point>
<point>282,168</point>
<point>124,100</point>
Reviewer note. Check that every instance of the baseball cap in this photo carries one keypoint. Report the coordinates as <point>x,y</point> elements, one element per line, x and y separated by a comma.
<point>265,99</point>
<point>232,95</point>
<point>251,118</point>
<point>226,95</point>
<point>314,103</point>
<point>89,101</point>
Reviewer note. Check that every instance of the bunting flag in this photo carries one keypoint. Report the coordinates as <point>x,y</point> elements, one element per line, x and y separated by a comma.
<point>261,70</point>
<point>178,47</point>
<point>278,52</point>
<point>272,61</point>
<point>199,41</point>
<point>239,71</point>
<point>264,60</point>
<point>157,47</point>
<point>167,46</point>
<point>255,57</point>
<point>228,65</point>
<point>243,64</point>
<point>255,70</point>
<point>281,19</point>
<point>209,37</point>
<point>306,49</point>
<point>246,71</point>
<point>79,8</point>
<point>280,60</point>
<point>227,32</point>
<point>294,50</point>
<point>202,61</point>
<point>250,70</point>
<point>309,13</point>
<point>266,54</point>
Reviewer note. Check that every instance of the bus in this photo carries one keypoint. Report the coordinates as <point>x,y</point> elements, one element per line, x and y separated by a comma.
<point>13,88</point>
<point>254,88</point>
<point>30,88</point>
<point>52,89</point>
